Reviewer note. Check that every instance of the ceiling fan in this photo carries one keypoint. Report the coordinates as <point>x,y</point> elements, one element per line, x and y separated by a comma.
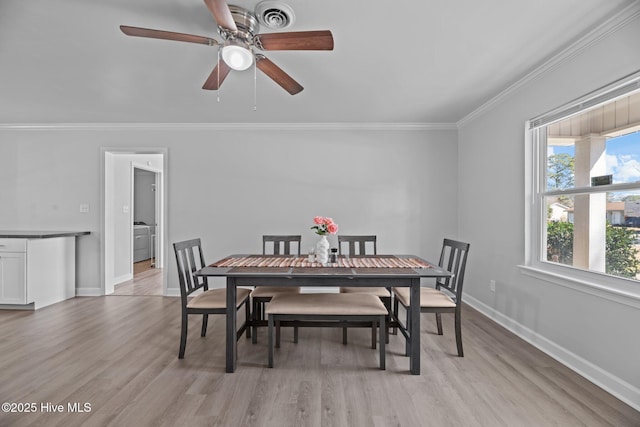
<point>238,28</point>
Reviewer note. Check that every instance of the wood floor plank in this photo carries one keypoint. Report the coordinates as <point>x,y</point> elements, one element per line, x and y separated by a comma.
<point>119,354</point>
<point>146,281</point>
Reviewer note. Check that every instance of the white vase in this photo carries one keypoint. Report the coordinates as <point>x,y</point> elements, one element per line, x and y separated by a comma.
<point>322,250</point>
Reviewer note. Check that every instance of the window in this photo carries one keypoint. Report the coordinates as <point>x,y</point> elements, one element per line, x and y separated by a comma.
<point>584,182</point>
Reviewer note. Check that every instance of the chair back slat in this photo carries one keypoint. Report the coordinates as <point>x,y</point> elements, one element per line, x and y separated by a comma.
<point>188,262</point>
<point>357,245</point>
<point>454,259</point>
<point>281,244</point>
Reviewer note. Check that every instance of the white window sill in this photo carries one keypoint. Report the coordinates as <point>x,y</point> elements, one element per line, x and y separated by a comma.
<point>621,296</point>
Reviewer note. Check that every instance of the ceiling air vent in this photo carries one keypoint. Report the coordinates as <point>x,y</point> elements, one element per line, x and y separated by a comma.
<point>275,15</point>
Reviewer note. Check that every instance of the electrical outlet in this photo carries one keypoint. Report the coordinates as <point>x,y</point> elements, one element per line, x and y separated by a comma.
<point>492,285</point>
<point>84,208</point>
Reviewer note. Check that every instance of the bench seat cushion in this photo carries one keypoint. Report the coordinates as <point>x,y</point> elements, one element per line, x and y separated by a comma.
<point>376,290</point>
<point>327,304</point>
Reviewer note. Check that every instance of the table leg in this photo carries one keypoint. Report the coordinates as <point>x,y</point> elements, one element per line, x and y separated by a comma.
<point>414,351</point>
<point>232,343</point>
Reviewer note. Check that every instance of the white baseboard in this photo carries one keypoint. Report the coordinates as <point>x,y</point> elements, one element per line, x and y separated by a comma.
<point>172,292</point>
<point>621,389</point>
<point>122,279</point>
<point>89,292</point>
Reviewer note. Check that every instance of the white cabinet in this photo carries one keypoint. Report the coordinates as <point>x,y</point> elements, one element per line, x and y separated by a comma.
<point>36,272</point>
<point>141,243</point>
<point>13,284</point>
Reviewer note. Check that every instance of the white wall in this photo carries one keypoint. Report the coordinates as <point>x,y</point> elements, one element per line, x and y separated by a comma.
<point>598,337</point>
<point>231,186</point>
<point>43,181</point>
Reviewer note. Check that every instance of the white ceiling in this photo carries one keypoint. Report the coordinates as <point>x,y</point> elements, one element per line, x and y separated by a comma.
<point>412,61</point>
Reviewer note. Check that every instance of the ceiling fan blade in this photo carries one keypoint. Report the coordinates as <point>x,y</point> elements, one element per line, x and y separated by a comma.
<point>222,14</point>
<point>167,35</point>
<point>295,40</point>
<point>277,75</point>
<point>215,79</point>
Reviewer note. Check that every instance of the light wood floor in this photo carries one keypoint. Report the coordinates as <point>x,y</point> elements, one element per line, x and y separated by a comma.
<point>119,354</point>
<point>146,281</point>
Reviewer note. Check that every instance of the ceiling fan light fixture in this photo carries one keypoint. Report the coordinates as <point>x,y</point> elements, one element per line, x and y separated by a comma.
<point>237,55</point>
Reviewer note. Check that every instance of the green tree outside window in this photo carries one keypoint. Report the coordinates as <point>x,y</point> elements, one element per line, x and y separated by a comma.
<point>621,259</point>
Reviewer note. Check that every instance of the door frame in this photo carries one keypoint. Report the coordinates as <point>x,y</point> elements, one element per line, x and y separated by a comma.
<point>107,154</point>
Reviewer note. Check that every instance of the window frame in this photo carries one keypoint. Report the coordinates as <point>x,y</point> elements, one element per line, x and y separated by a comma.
<point>626,291</point>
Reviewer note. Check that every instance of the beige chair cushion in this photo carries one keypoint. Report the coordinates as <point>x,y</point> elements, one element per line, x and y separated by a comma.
<point>429,297</point>
<point>327,304</point>
<point>270,291</point>
<point>216,298</point>
<point>377,291</point>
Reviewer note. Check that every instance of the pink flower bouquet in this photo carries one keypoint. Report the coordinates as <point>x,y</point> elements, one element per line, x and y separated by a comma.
<point>324,226</point>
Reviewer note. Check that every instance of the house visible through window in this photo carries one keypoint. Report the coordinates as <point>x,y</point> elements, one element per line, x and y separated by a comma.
<point>587,185</point>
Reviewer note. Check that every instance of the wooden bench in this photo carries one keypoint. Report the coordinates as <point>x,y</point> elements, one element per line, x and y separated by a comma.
<point>336,308</point>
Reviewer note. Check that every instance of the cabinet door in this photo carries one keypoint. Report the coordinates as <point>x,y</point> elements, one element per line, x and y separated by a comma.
<point>13,284</point>
<point>141,241</point>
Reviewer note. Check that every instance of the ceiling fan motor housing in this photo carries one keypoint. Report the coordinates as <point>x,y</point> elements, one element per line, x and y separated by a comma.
<point>246,22</point>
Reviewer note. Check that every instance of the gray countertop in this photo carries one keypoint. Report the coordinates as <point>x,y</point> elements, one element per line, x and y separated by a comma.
<point>39,234</point>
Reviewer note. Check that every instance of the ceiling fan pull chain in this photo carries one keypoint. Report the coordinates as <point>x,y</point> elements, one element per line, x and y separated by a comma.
<point>255,87</point>
<point>218,67</point>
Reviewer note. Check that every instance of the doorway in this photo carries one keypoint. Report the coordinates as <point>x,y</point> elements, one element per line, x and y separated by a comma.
<point>147,273</point>
<point>134,222</point>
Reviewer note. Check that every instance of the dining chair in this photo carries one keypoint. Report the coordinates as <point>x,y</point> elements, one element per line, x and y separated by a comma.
<point>358,245</point>
<point>261,295</point>
<point>446,297</point>
<point>189,259</point>
<point>363,245</point>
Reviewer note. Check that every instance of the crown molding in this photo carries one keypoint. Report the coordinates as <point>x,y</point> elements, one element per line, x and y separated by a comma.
<point>611,25</point>
<point>230,126</point>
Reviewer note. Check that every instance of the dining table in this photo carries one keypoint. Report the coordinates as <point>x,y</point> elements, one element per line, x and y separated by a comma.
<point>347,271</point>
